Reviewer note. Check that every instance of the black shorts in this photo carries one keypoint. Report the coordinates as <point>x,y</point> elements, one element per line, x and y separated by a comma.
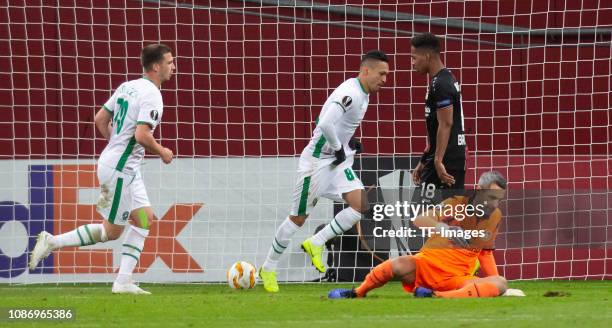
<point>433,191</point>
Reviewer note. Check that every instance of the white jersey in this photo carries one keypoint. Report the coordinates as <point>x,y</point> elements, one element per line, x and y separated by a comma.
<point>134,102</point>
<point>353,100</point>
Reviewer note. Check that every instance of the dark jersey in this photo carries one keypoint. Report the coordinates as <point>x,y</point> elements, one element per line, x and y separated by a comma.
<point>443,92</point>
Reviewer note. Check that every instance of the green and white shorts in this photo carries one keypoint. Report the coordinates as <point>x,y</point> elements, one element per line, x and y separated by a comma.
<point>319,178</point>
<point>120,194</point>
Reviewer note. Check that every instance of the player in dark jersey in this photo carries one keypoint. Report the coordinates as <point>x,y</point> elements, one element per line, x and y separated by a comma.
<point>441,171</point>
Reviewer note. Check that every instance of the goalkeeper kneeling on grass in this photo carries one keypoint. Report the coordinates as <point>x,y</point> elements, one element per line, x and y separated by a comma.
<point>446,264</point>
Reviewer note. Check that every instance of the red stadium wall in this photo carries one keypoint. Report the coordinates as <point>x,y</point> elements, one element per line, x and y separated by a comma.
<point>253,86</point>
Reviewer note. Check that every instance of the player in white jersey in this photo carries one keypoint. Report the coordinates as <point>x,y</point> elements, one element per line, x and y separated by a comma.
<point>325,167</point>
<point>127,120</point>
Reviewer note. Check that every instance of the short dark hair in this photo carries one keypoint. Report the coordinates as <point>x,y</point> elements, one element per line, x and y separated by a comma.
<point>152,54</point>
<point>426,41</point>
<point>374,55</point>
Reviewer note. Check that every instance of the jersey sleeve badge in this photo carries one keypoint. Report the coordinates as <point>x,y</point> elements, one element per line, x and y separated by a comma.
<point>346,102</point>
<point>154,115</point>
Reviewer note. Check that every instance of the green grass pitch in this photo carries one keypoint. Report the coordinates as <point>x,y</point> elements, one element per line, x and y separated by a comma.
<point>581,304</point>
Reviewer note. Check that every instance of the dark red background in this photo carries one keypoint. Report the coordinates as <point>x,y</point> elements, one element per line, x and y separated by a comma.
<point>248,85</point>
<point>252,86</point>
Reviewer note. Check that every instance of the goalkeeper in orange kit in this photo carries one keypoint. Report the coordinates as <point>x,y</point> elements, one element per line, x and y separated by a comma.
<point>461,237</point>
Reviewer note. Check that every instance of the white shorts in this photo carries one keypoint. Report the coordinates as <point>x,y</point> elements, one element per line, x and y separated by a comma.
<point>319,178</point>
<point>120,194</point>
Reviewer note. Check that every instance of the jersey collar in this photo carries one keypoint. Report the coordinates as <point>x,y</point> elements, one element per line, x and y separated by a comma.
<point>440,71</point>
<point>361,86</point>
<point>148,79</point>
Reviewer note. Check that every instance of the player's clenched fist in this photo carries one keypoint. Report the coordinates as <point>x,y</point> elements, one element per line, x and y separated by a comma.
<point>166,155</point>
<point>340,156</point>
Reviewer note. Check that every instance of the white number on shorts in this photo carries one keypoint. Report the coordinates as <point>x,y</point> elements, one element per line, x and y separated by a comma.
<point>428,190</point>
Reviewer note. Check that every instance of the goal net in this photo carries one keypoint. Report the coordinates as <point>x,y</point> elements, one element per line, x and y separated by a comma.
<point>251,79</point>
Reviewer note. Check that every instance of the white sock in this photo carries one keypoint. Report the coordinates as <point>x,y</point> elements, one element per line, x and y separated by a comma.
<point>130,253</point>
<point>341,223</point>
<point>84,235</point>
<point>283,236</point>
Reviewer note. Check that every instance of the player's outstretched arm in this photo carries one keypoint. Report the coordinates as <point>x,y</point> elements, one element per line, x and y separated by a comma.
<point>145,138</point>
<point>102,120</point>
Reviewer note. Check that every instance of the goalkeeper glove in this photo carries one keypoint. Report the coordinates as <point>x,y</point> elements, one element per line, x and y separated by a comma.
<point>340,156</point>
<point>355,145</point>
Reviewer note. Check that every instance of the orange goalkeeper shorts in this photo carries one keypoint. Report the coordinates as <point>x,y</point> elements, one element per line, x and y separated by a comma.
<point>432,273</point>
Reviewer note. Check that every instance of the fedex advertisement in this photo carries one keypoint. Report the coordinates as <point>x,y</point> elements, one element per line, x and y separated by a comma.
<point>210,213</point>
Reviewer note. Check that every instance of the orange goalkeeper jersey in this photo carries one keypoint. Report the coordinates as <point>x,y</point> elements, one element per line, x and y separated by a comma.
<point>452,258</point>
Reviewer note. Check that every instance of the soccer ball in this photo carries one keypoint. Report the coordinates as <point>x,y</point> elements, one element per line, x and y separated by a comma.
<point>241,275</point>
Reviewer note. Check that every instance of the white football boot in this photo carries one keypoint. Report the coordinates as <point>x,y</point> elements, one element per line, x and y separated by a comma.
<point>129,288</point>
<point>514,292</point>
<point>42,249</point>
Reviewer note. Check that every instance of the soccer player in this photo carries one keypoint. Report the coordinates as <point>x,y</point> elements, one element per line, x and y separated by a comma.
<point>445,266</point>
<point>324,168</point>
<point>127,120</point>
<point>442,165</point>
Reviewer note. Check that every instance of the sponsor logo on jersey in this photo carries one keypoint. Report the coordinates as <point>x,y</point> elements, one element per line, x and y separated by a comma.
<point>461,139</point>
